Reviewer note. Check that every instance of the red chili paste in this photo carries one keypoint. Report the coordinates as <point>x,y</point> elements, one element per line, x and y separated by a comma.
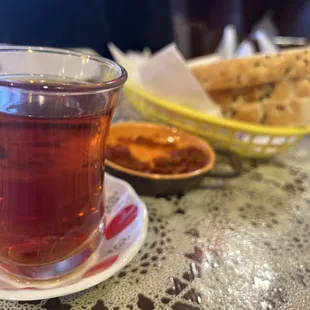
<point>176,160</point>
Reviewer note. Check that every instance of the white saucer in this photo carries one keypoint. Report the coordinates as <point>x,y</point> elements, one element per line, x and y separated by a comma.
<point>123,239</point>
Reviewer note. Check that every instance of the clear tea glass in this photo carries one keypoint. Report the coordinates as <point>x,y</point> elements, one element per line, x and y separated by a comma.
<point>55,112</point>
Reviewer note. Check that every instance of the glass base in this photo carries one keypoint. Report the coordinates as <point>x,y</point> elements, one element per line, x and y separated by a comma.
<point>57,269</point>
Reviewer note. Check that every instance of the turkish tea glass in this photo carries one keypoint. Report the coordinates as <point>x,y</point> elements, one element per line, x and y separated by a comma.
<point>55,112</point>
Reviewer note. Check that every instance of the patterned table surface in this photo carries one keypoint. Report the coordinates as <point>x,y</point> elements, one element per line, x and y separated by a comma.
<point>245,246</point>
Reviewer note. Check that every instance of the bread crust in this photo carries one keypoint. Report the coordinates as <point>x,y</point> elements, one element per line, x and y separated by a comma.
<point>273,113</point>
<point>293,112</point>
<point>286,103</point>
<point>261,93</point>
<point>253,71</point>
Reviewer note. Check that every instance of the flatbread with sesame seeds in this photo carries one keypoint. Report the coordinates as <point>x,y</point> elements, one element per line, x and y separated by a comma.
<point>252,71</point>
<point>286,103</point>
<point>270,90</point>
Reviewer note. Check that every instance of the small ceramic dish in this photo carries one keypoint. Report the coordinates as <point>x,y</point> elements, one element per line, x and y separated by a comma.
<point>152,184</point>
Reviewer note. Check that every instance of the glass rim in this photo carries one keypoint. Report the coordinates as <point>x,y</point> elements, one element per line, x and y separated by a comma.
<point>117,82</point>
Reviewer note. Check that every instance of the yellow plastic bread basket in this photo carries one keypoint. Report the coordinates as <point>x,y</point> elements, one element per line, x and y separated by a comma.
<point>245,139</point>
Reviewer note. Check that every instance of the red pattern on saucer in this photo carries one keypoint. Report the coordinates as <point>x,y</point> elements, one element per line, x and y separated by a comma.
<point>121,221</point>
<point>101,266</point>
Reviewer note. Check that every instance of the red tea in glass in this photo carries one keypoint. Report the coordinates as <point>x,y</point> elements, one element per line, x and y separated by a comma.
<point>55,111</point>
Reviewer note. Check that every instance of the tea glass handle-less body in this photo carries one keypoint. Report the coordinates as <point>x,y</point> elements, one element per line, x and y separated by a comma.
<point>55,112</point>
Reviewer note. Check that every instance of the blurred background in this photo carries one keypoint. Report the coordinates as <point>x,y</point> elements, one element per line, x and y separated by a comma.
<point>196,25</point>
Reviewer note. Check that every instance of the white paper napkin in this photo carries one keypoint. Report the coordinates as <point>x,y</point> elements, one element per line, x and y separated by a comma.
<point>265,43</point>
<point>166,75</point>
<point>245,49</point>
<point>228,47</point>
<point>228,44</point>
<point>131,60</point>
